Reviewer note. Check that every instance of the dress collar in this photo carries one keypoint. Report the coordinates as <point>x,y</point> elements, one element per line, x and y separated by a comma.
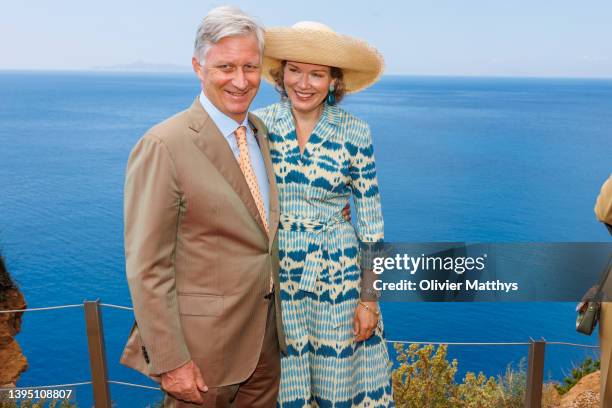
<point>325,129</point>
<point>330,114</point>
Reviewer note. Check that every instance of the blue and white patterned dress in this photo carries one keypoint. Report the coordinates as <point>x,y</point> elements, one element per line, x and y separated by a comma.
<point>319,267</point>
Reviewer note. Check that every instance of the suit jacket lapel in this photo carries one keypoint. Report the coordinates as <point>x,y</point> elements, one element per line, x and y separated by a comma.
<point>211,142</point>
<point>262,139</point>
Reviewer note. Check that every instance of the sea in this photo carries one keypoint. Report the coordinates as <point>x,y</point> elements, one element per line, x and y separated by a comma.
<point>459,159</point>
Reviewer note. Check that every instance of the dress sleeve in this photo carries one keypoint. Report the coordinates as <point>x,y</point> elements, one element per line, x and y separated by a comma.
<point>370,226</point>
<point>152,209</point>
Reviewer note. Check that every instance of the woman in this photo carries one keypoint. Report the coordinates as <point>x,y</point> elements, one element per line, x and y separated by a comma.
<point>321,154</point>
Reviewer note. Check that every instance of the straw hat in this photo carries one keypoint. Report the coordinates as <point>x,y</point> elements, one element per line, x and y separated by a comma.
<point>316,43</point>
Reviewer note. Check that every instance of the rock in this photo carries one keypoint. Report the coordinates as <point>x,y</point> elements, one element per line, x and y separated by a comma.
<point>585,394</point>
<point>550,396</point>
<point>12,360</point>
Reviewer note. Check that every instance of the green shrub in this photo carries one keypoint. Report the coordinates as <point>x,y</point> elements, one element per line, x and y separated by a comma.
<point>587,367</point>
<point>426,379</point>
<point>477,391</point>
<point>512,385</point>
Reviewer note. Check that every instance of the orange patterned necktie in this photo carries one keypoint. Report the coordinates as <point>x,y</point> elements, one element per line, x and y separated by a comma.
<point>244,161</point>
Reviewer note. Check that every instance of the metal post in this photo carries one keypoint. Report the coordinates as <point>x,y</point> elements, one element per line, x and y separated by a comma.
<point>535,374</point>
<point>97,354</point>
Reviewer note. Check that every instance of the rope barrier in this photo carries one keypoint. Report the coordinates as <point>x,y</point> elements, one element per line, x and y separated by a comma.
<point>119,307</point>
<point>134,385</point>
<point>563,343</point>
<point>48,386</point>
<point>37,309</point>
<point>116,306</point>
<point>439,343</point>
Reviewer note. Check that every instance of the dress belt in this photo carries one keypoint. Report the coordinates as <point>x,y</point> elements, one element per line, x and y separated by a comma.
<point>313,263</point>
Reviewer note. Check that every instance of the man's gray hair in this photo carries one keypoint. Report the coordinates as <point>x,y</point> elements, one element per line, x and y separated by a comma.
<point>221,22</point>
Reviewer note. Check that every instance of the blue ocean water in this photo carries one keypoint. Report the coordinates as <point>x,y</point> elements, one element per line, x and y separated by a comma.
<point>459,159</point>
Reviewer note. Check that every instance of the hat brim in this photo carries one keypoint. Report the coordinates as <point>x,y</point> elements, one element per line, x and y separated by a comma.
<point>361,64</point>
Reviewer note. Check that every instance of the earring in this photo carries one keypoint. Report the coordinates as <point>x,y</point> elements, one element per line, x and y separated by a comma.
<point>281,91</point>
<point>331,96</point>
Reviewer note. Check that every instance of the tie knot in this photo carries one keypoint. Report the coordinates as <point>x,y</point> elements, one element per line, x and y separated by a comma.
<point>241,135</point>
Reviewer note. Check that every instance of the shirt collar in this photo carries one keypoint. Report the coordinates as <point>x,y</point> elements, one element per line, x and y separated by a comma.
<point>224,123</point>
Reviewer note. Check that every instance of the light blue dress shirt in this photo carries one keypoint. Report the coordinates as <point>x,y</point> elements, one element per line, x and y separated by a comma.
<point>227,126</point>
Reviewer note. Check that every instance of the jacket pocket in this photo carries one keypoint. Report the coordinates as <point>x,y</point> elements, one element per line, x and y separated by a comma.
<point>194,304</point>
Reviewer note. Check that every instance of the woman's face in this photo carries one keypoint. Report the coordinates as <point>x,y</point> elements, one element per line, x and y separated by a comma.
<point>306,85</point>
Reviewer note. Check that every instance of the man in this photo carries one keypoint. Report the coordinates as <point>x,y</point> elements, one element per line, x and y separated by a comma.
<point>603,212</point>
<point>201,215</point>
<point>603,206</point>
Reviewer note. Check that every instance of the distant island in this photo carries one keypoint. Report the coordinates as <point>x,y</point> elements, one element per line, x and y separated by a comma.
<point>141,66</point>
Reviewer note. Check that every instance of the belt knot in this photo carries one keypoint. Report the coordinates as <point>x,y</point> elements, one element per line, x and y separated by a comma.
<point>292,222</point>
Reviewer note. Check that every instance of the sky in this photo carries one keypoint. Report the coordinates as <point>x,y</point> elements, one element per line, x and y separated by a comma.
<point>542,38</point>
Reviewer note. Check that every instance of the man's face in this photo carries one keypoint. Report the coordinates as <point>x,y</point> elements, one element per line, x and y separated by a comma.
<point>231,74</point>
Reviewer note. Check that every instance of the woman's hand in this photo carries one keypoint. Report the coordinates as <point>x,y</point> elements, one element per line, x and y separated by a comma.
<point>365,321</point>
<point>346,212</point>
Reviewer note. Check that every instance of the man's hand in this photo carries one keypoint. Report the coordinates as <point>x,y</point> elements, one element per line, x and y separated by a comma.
<point>365,321</point>
<point>346,212</point>
<point>185,383</point>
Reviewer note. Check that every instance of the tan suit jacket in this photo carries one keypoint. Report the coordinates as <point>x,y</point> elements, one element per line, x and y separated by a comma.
<point>198,259</point>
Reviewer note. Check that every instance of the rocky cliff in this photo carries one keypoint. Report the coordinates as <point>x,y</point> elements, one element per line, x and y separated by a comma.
<point>12,360</point>
<point>585,394</point>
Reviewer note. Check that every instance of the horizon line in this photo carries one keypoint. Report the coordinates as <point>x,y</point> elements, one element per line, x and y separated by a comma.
<point>186,72</point>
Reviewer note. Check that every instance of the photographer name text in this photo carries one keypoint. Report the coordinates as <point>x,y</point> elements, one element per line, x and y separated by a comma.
<point>436,285</point>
